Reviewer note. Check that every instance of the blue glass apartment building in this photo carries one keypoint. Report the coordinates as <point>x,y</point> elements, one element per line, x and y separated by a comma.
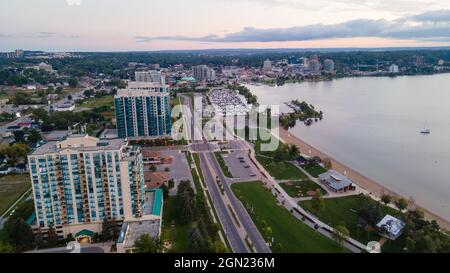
<point>143,113</point>
<point>82,180</point>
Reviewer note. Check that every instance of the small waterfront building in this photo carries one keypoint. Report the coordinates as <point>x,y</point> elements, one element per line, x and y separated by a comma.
<point>335,181</point>
<point>391,227</point>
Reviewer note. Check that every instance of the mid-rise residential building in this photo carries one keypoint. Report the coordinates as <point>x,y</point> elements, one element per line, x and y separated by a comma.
<point>150,76</point>
<point>314,64</point>
<point>45,67</point>
<point>328,66</point>
<point>203,73</point>
<point>417,60</point>
<point>80,181</point>
<point>143,113</point>
<point>393,68</point>
<point>267,65</point>
<point>18,53</point>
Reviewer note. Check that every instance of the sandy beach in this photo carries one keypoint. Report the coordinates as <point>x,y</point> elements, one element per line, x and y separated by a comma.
<point>364,182</point>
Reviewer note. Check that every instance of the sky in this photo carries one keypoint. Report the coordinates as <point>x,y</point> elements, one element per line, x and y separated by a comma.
<point>126,25</point>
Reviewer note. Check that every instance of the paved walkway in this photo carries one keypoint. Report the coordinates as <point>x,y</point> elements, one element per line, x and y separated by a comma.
<point>304,216</point>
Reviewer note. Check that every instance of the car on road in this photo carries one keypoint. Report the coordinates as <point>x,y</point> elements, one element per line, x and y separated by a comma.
<point>247,167</point>
<point>252,175</point>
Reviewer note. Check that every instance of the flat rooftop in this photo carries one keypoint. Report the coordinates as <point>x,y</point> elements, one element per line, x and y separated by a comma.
<point>79,143</point>
<point>131,231</point>
<point>153,202</point>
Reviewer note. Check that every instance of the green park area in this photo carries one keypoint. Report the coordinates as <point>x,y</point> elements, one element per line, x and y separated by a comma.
<point>11,188</point>
<point>172,229</point>
<point>351,212</point>
<point>281,170</point>
<point>103,101</point>
<point>297,189</point>
<point>290,234</point>
<point>314,170</point>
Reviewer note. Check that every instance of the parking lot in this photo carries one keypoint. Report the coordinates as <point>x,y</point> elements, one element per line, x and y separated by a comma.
<point>240,166</point>
<point>179,169</point>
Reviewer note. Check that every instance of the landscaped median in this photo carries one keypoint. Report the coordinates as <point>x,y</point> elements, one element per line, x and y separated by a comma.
<point>289,233</point>
<point>223,164</point>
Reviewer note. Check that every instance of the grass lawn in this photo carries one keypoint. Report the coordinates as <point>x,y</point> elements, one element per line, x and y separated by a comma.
<point>11,188</point>
<point>315,170</point>
<point>97,102</point>
<point>291,233</point>
<point>282,170</point>
<point>343,211</point>
<point>301,188</point>
<point>223,165</point>
<point>177,234</point>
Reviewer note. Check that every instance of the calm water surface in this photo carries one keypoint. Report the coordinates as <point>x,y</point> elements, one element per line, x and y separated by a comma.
<point>373,125</point>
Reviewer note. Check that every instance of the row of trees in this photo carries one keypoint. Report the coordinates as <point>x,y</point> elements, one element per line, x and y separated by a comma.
<point>203,236</point>
<point>15,153</point>
<point>62,120</point>
<point>251,99</point>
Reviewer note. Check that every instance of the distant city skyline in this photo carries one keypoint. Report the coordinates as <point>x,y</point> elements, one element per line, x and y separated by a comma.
<point>115,25</point>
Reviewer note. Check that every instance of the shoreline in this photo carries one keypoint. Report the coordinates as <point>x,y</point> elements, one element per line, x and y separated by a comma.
<point>375,188</point>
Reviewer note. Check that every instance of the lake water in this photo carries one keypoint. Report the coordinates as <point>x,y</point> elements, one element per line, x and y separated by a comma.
<point>373,125</point>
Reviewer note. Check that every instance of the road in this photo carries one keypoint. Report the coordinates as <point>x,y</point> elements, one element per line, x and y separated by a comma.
<point>241,213</point>
<point>231,232</point>
<point>210,169</point>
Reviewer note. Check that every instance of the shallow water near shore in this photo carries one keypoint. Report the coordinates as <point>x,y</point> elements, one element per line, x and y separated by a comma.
<point>373,125</point>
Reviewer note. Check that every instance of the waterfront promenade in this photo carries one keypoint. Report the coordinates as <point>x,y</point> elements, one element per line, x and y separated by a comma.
<point>364,182</point>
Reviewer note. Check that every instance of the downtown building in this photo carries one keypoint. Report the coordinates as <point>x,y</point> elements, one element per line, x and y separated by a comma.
<point>143,111</point>
<point>203,73</point>
<point>80,181</point>
<point>150,76</point>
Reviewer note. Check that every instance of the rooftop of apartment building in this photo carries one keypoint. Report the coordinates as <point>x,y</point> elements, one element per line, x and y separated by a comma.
<point>82,143</point>
<point>140,93</point>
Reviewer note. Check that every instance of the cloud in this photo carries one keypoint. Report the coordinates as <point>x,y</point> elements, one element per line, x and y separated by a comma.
<point>437,16</point>
<point>73,2</point>
<point>428,25</point>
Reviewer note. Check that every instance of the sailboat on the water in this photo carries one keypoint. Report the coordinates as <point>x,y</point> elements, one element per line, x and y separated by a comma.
<point>425,130</point>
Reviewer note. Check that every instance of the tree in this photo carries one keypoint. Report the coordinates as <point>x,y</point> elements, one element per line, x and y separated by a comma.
<point>197,242</point>
<point>340,233</point>
<point>269,233</point>
<point>19,136</point>
<point>152,168</point>
<point>146,244</point>
<point>6,248</point>
<point>107,230</point>
<point>73,82</point>
<point>69,97</point>
<point>327,164</point>
<point>401,204</point>
<point>20,234</point>
<point>34,136</point>
<point>219,247</point>
<point>165,190</point>
<point>318,202</point>
<point>52,237</point>
<point>386,199</point>
<point>294,151</point>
